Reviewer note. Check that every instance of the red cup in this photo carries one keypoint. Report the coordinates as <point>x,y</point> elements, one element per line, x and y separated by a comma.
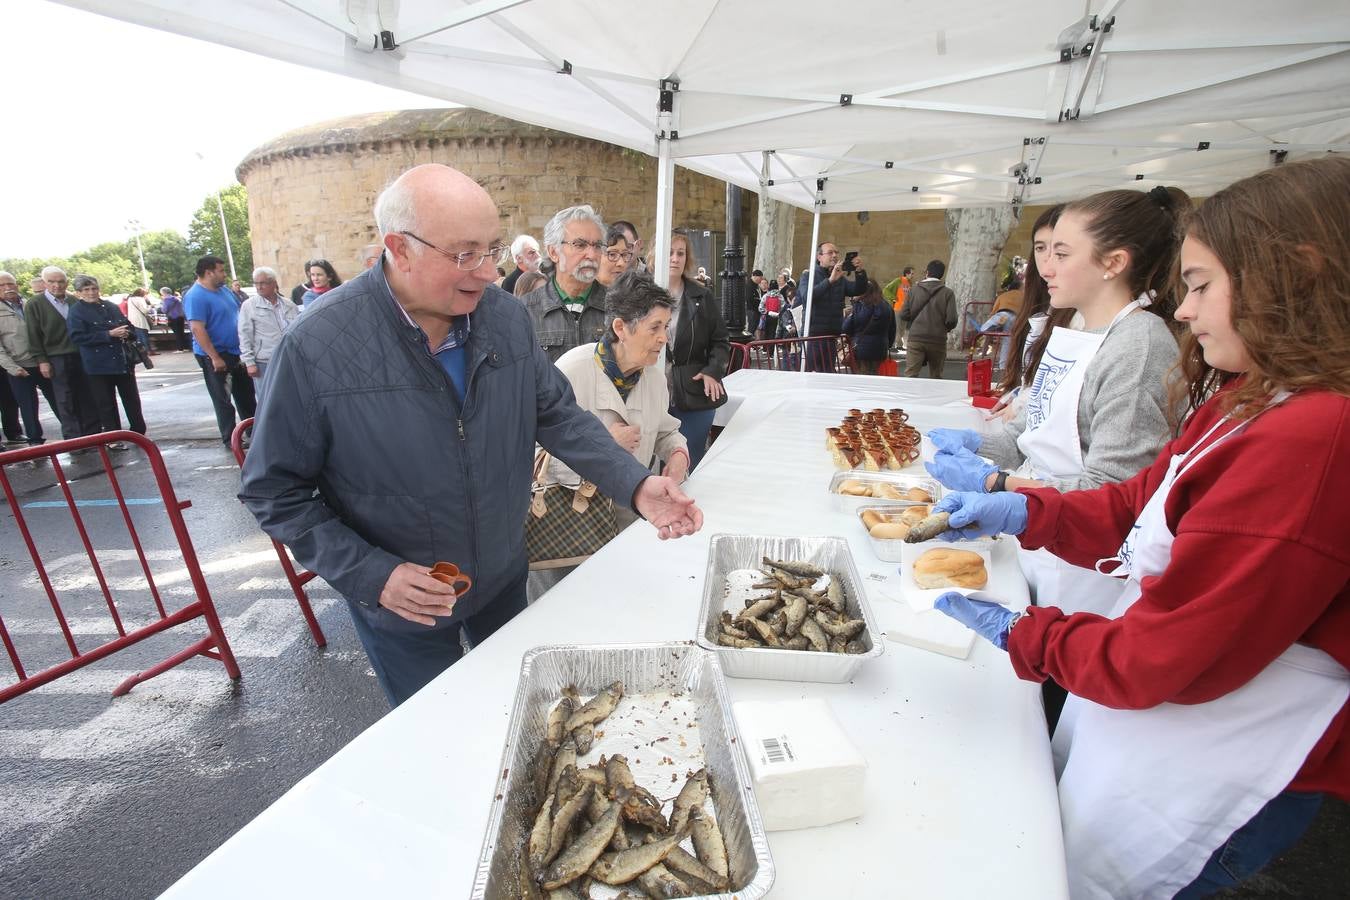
<point>449,573</point>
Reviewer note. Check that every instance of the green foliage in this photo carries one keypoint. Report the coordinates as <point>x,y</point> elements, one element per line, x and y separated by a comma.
<point>205,236</point>
<point>170,258</point>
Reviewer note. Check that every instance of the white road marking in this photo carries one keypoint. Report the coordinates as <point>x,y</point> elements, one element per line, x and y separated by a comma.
<point>269,626</point>
<point>281,584</point>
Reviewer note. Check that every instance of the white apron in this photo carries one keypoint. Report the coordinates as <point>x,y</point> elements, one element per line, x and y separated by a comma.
<point>1146,796</point>
<point>1052,449</point>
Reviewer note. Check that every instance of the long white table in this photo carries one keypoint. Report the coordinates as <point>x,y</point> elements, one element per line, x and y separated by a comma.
<point>961,791</point>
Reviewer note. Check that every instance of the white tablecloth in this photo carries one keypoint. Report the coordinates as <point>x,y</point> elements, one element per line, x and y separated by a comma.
<point>961,791</point>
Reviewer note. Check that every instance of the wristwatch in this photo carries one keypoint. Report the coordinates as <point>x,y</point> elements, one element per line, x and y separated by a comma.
<point>1000,482</point>
<point>1007,635</point>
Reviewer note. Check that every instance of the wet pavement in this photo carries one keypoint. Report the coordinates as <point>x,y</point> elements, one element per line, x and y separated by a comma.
<point>117,798</point>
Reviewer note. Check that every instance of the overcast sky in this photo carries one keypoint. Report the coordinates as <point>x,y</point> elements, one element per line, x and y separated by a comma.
<point>103,127</point>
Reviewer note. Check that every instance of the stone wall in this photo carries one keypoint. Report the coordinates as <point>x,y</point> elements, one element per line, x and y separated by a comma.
<point>311,192</point>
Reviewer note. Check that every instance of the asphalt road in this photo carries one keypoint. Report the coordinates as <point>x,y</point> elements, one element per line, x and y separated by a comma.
<point>117,798</point>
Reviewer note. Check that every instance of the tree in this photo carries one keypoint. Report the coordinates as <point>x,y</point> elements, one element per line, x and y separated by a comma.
<point>167,258</point>
<point>977,237</point>
<point>205,237</point>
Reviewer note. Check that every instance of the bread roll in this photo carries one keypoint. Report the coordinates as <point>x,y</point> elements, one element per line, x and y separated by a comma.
<point>870,519</point>
<point>853,487</point>
<point>918,494</point>
<point>883,491</point>
<point>914,514</point>
<point>950,568</point>
<point>889,531</point>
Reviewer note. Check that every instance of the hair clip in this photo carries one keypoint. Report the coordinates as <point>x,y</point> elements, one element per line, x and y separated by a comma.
<point>1161,196</point>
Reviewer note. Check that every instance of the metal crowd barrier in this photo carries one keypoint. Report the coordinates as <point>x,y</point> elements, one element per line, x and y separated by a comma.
<point>823,353</point>
<point>213,646</point>
<point>297,580</point>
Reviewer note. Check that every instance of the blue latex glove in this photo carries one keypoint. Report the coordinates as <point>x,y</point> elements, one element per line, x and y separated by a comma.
<point>989,620</point>
<point>981,515</point>
<point>949,439</point>
<point>960,470</point>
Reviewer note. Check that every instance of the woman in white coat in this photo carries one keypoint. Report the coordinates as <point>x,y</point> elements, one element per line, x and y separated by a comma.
<point>619,379</point>
<point>1209,716</point>
<point>1097,410</point>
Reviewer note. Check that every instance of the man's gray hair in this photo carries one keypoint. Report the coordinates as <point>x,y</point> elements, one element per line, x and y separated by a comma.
<point>632,297</point>
<point>553,231</point>
<point>4,274</point>
<point>521,242</point>
<point>53,270</point>
<point>82,281</point>
<point>396,209</point>
<point>265,272</point>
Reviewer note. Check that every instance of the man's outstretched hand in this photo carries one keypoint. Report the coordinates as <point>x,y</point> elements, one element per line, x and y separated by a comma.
<point>671,511</point>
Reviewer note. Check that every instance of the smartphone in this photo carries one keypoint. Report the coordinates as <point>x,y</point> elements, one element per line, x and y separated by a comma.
<point>848,260</point>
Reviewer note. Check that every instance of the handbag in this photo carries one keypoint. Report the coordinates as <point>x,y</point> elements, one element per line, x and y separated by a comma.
<point>136,354</point>
<point>565,525</point>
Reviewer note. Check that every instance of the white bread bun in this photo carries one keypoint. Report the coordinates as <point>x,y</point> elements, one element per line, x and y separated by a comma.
<point>871,519</point>
<point>853,487</point>
<point>950,568</point>
<point>913,515</point>
<point>883,491</point>
<point>889,531</point>
<point>918,494</point>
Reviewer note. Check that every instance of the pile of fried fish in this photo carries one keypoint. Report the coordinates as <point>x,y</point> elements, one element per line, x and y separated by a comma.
<point>596,824</point>
<point>793,615</point>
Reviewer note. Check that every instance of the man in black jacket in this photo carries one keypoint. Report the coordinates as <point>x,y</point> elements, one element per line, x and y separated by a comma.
<point>398,430</point>
<point>832,285</point>
<point>930,310</point>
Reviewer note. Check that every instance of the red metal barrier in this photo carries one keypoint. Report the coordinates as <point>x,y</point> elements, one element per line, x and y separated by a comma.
<point>736,360</point>
<point>214,645</point>
<point>825,353</point>
<point>990,343</point>
<point>297,580</point>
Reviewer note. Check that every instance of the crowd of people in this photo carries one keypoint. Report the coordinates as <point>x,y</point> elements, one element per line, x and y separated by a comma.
<point>1166,449</point>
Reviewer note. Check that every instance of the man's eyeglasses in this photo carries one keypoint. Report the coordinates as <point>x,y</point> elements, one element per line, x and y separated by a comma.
<point>469,259</point>
<point>580,245</point>
<point>616,255</point>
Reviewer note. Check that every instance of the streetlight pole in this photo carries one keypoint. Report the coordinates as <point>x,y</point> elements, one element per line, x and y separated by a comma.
<point>224,229</point>
<point>135,226</point>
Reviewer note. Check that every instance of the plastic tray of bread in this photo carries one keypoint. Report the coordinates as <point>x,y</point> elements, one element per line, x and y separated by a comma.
<point>854,489</point>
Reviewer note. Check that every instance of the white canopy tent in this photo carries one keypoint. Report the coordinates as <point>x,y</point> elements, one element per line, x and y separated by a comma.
<point>871,105</point>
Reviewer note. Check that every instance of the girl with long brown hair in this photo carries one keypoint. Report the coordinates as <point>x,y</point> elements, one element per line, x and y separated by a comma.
<point>1097,406</point>
<point>1208,717</point>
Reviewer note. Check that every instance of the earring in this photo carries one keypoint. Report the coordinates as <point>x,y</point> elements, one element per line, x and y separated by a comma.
<point>1106,276</point>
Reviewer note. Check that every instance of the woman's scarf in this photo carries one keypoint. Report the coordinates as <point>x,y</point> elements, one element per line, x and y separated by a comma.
<point>604,358</point>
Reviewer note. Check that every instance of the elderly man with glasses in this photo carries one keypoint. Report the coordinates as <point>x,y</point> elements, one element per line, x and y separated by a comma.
<point>399,428</point>
<point>568,310</point>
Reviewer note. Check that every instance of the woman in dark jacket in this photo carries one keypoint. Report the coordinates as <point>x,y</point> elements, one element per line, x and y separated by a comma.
<point>101,333</point>
<point>871,327</point>
<point>697,351</point>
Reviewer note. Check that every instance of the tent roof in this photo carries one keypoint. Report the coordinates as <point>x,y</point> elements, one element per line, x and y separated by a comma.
<point>899,105</point>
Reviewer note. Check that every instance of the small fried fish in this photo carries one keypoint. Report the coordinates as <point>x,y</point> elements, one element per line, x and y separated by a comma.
<point>795,568</point>
<point>577,859</point>
<point>597,709</point>
<point>625,865</point>
<point>694,793</point>
<point>708,843</point>
<point>928,528</point>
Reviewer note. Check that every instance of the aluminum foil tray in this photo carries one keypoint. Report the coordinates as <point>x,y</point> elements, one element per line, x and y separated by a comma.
<point>652,674</point>
<point>728,552</point>
<point>849,503</point>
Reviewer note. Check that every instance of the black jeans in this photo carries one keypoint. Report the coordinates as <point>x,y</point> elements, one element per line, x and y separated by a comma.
<point>9,413</point>
<point>74,401</point>
<point>180,337</point>
<point>106,388</point>
<point>25,392</point>
<point>234,381</point>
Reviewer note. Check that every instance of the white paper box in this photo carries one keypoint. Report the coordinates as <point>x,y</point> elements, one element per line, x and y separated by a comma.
<point>805,770</point>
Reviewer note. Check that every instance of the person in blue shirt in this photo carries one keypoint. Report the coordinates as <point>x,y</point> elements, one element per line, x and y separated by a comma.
<point>213,315</point>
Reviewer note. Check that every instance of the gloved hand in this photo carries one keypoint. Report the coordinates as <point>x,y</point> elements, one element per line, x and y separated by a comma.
<point>989,620</point>
<point>981,515</point>
<point>960,469</point>
<point>950,438</point>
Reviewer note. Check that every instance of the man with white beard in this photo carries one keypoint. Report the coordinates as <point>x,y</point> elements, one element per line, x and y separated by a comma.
<point>569,309</point>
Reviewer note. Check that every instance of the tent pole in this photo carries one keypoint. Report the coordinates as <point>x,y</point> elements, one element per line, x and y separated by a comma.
<point>659,263</point>
<point>811,267</point>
